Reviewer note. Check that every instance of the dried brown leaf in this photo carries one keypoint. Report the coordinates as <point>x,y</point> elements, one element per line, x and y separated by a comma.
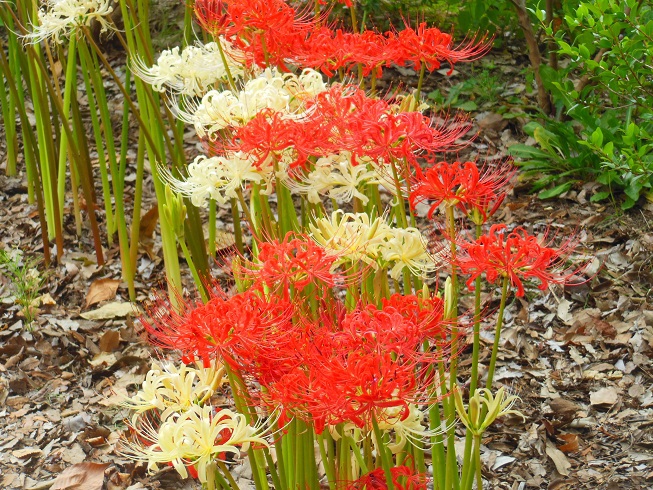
<point>604,396</point>
<point>559,459</point>
<point>110,341</point>
<point>101,290</point>
<point>148,223</point>
<point>110,310</point>
<point>571,444</point>
<point>81,476</point>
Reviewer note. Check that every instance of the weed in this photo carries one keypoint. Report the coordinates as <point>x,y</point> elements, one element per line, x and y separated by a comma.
<point>25,278</point>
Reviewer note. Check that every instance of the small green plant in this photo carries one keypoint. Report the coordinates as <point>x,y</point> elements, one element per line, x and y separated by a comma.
<point>469,94</point>
<point>25,278</point>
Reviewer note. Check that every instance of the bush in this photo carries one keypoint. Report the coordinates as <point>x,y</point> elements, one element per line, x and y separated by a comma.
<point>604,103</point>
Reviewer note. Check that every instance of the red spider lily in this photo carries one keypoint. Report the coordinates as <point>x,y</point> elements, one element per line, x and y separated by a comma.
<point>440,183</point>
<point>516,255</point>
<point>343,118</point>
<point>212,15</point>
<point>403,478</point>
<point>330,50</point>
<point>351,367</point>
<point>429,46</point>
<point>270,133</point>
<point>426,312</point>
<point>225,327</point>
<point>485,189</point>
<point>293,263</point>
<point>476,192</point>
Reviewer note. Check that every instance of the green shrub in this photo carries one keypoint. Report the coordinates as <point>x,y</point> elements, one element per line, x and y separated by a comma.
<point>604,103</point>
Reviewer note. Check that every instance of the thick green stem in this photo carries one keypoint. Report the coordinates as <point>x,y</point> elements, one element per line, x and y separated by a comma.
<point>70,85</point>
<point>386,460</point>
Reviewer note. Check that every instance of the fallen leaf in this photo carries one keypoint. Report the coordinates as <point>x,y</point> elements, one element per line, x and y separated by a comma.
<point>148,223</point>
<point>605,396</point>
<point>110,310</point>
<point>559,459</point>
<point>47,300</point>
<point>81,476</point>
<point>27,452</point>
<point>110,341</point>
<point>571,443</point>
<point>563,311</point>
<point>101,290</point>
<point>563,407</point>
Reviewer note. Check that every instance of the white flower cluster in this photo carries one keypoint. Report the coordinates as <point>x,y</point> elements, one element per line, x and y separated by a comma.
<point>335,176</point>
<point>195,437</point>
<point>191,71</point>
<point>220,177</point>
<point>285,93</point>
<point>188,431</point>
<point>354,237</point>
<point>170,389</point>
<point>406,429</point>
<point>60,18</point>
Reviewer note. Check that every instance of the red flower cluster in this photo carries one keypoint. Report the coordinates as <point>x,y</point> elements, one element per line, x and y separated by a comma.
<point>291,264</point>
<point>314,359</point>
<point>516,255</point>
<point>353,366</point>
<point>403,478</point>
<point>271,32</point>
<point>341,119</point>
<point>476,192</point>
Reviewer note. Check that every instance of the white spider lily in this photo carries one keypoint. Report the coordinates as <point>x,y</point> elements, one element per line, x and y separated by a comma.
<point>196,437</point>
<point>354,237</point>
<point>283,93</point>
<point>406,249</point>
<point>170,389</point>
<point>60,18</point>
<point>410,430</point>
<point>219,178</point>
<point>335,176</point>
<point>191,71</point>
<point>494,407</point>
<point>351,237</point>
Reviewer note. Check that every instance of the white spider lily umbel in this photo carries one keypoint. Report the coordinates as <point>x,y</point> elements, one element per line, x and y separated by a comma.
<point>194,438</point>
<point>285,93</point>
<point>220,177</point>
<point>191,71</point>
<point>169,389</point>
<point>60,18</point>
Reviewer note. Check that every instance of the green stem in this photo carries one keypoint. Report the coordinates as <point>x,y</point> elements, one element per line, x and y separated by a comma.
<point>477,327</point>
<point>497,333</point>
<point>386,462</point>
<point>70,85</point>
<point>420,83</point>
<point>91,90</point>
<point>327,460</point>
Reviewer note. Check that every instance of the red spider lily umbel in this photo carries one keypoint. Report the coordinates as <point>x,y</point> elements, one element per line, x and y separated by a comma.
<point>516,255</point>
<point>429,46</point>
<point>403,478</point>
<point>225,327</point>
<point>292,263</point>
<point>212,15</point>
<point>476,192</point>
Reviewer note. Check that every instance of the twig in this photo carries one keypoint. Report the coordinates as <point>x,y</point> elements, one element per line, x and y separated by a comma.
<point>585,79</point>
<point>534,54</point>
